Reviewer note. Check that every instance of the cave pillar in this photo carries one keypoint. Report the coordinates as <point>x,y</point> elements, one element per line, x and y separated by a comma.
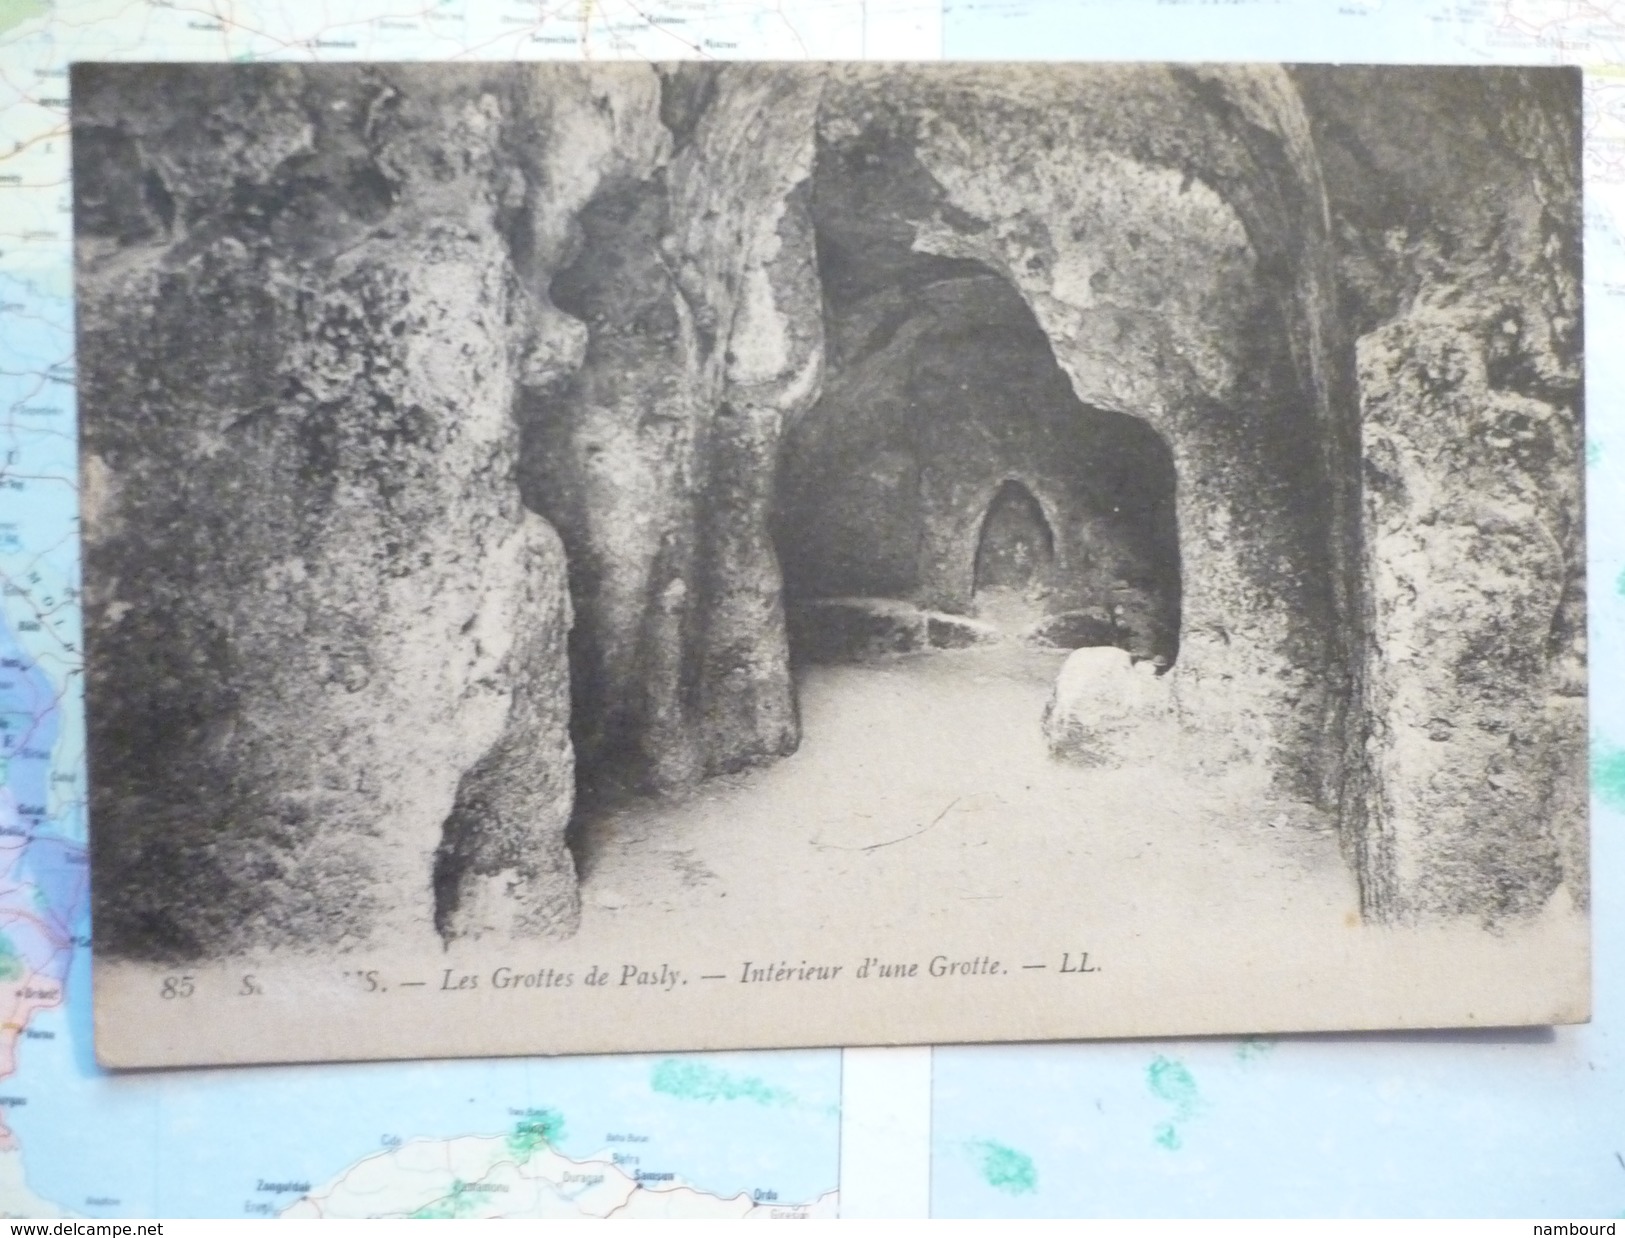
<point>308,565</point>
<point>1475,677</point>
<point>1470,763</point>
<point>692,278</point>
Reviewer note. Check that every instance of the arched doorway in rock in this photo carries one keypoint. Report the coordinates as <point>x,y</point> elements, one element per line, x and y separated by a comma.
<point>1015,558</point>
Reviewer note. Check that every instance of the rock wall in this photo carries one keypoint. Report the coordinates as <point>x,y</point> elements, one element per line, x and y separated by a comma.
<point>1455,200</point>
<point>1288,356</point>
<point>317,693</point>
<point>1166,230</point>
<point>691,269</point>
<point>1348,301</point>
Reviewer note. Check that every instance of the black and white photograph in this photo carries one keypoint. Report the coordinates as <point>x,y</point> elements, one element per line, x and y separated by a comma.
<point>584,557</point>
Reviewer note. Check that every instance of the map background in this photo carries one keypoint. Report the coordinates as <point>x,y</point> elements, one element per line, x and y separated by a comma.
<point>1522,1123</point>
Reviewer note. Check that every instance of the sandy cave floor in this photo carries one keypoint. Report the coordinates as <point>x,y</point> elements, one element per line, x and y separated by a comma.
<point>923,792</point>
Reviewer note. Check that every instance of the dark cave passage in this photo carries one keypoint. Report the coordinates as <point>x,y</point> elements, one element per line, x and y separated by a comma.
<point>948,487</point>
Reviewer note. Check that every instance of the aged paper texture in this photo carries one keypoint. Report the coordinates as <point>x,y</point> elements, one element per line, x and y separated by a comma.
<point>619,556</point>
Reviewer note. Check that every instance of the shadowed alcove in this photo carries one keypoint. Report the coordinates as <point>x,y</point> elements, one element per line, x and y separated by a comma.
<point>948,467</point>
<point>1016,550</point>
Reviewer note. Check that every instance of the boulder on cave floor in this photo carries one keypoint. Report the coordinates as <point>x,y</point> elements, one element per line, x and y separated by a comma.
<point>1101,706</point>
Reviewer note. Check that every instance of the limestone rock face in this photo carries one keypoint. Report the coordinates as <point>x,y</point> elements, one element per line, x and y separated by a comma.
<point>1470,572</point>
<point>445,429</point>
<point>1104,707</point>
<point>309,569</point>
<point>1456,210</point>
<point>692,275</point>
<point>502,866</point>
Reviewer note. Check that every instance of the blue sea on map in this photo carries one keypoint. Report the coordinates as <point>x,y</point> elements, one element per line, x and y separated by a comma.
<point>225,1129</point>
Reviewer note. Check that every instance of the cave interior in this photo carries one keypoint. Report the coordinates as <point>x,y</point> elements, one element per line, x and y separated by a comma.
<point>948,468</point>
<point>563,472</point>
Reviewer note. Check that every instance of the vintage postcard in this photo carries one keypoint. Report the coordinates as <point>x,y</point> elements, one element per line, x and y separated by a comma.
<point>602,557</point>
